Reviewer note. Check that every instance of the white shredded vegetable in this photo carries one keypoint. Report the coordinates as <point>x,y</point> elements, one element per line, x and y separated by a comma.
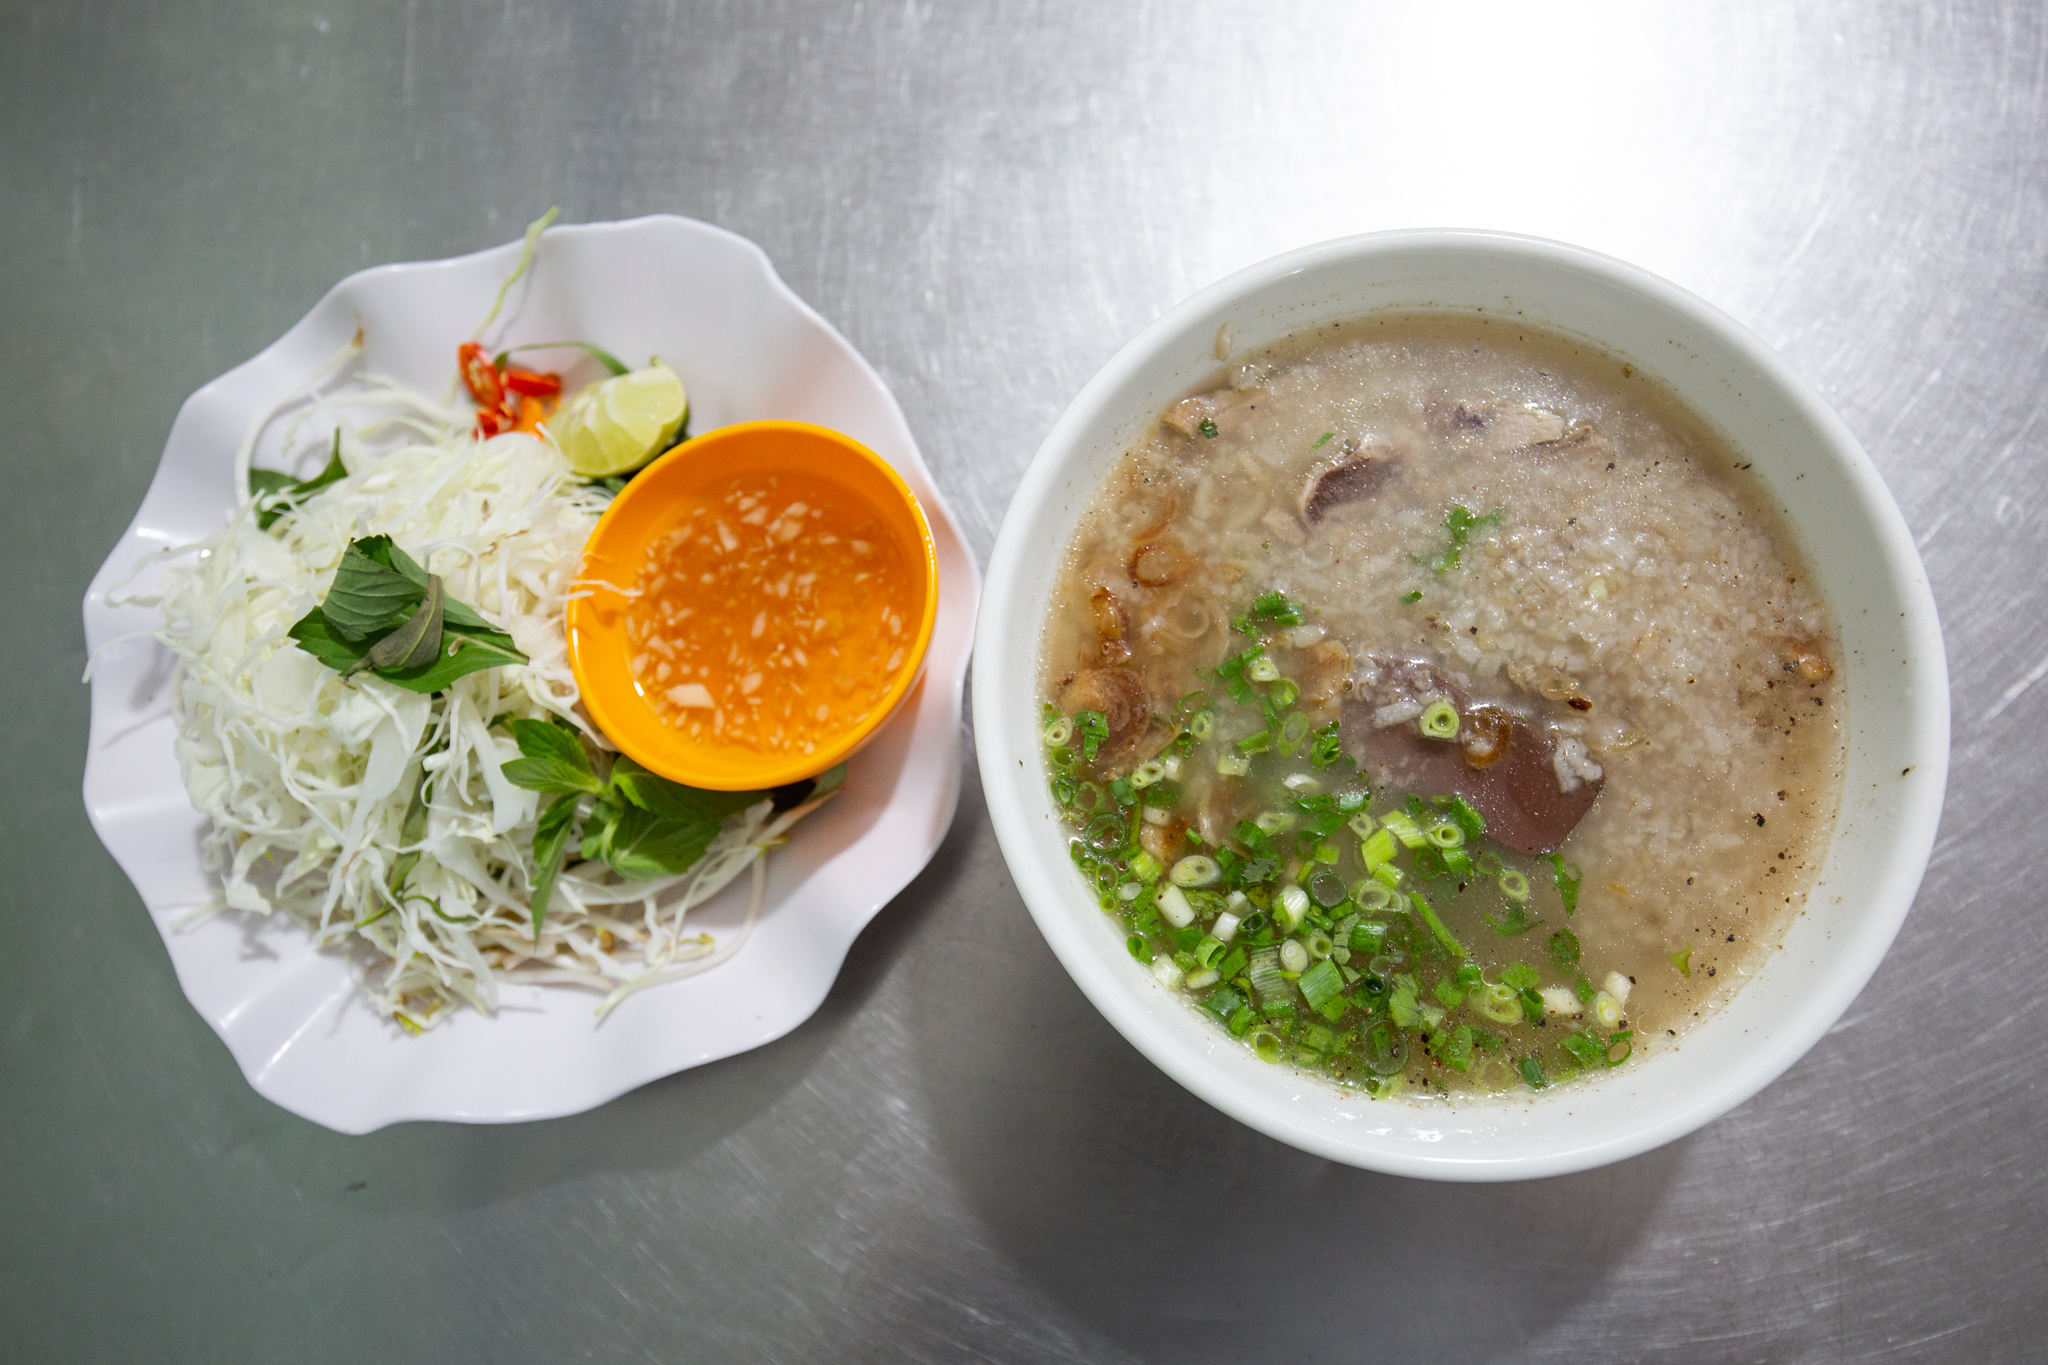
<point>305,778</point>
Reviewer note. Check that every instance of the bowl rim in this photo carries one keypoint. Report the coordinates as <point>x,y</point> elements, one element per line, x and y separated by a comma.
<point>1142,1022</point>
<point>623,719</point>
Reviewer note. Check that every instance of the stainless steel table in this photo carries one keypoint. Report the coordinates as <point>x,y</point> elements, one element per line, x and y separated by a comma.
<point>957,1159</point>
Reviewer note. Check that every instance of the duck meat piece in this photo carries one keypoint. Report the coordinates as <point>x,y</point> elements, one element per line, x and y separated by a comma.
<point>1118,693</point>
<point>1351,477</point>
<point>1531,784</point>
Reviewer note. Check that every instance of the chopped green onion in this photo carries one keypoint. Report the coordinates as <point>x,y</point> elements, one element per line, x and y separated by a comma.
<point>1606,1009</point>
<point>1210,951</point>
<point>1500,1003</point>
<point>1683,961</point>
<point>1362,825</point>
<point>1402,827</point>
<point>1232,765</point>
<point>1367,937</point>
<point>1374,896</point>
<point>1489,864</point>
<point>1063,759</point>
<point>1192,702</point>
<point>1145,867</point>
<point>1063,790</point>
<point>1321,984</point>
<point>1319,944</point>
<point>1293,956</point>
<point>1267,1046</point>
<point>1196,869</point>
<point>1155,815</point>
<point>1440,721</point>
<point>1094,728</point>
<point>1264,971</point>
<point>1327,888</point>
<point>1275,607</point>
<point>1378,849</point>
<point>1203,725</point>
<point>1620,1040</point>
<point>1175,907</point>
<point>1145,774</point>
<point>1057,732</point>
<point>1514,885</point>
<point>1411,598</point>
<point>1289,907</point>
<point>1257,742</point>
<point>1262,670</point>
<point>1294,730</point>
<point>1139,948</point>
<point>1275,821</point>
<point>1436,926</point>
<point>1283,694</point>
<point>1208,976</point>
<point>1386,1049</point>
<point>1446,834</point>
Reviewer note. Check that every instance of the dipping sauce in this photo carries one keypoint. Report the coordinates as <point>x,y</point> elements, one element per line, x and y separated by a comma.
<point>775,614</point>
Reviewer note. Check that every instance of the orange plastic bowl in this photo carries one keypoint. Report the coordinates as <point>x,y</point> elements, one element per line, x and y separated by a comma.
<point>648,509</point>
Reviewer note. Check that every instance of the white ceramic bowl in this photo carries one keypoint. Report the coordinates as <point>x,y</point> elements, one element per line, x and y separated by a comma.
<point>711,304</point>
<point>1895,681</point>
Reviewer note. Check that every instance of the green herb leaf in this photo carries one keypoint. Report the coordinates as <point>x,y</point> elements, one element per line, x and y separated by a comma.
<point>1275,606</point>
<point>368,596</point>
<point>551,759</point>
<point>1564,947</point>
<point>1519,976</point>
<point>416,643</point>
<point>291,492</point>
<point>1207,426</point>
<point>1532,1073</point>
<point>1404,1006</point>
<point>640,845</point>
<point>673,801</point>
<point>1568,878</point>
<point>550,847</point>
<point>377,588</point>
<point>1412,598</point>
<point>1683,961</point>
<point>1515,921</point>
<point>410,833</point>
<point>1458,528</point>
<point>1453,1046</point>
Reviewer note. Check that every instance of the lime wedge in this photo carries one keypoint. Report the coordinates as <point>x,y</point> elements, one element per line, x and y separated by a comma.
<point>618,425</point>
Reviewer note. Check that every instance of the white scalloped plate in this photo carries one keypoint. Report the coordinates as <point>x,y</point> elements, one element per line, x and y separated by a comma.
<point>710,304</point>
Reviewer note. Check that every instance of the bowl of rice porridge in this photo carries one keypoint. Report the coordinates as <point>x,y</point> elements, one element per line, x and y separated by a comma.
<point>1460,704</point>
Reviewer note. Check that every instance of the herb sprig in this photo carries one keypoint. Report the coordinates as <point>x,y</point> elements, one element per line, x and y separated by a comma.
<point>290,492</point>
<point>640,824</point>
<point>386,615</point>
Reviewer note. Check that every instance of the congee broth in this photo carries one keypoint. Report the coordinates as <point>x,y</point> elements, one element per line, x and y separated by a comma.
<point>1441,707</point>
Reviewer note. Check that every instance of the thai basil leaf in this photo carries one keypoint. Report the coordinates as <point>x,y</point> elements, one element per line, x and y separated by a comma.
<point>293,491</point>
<point>414,644</point>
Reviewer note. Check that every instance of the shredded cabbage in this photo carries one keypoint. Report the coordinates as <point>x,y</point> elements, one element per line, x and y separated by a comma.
<point>305,778</point>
